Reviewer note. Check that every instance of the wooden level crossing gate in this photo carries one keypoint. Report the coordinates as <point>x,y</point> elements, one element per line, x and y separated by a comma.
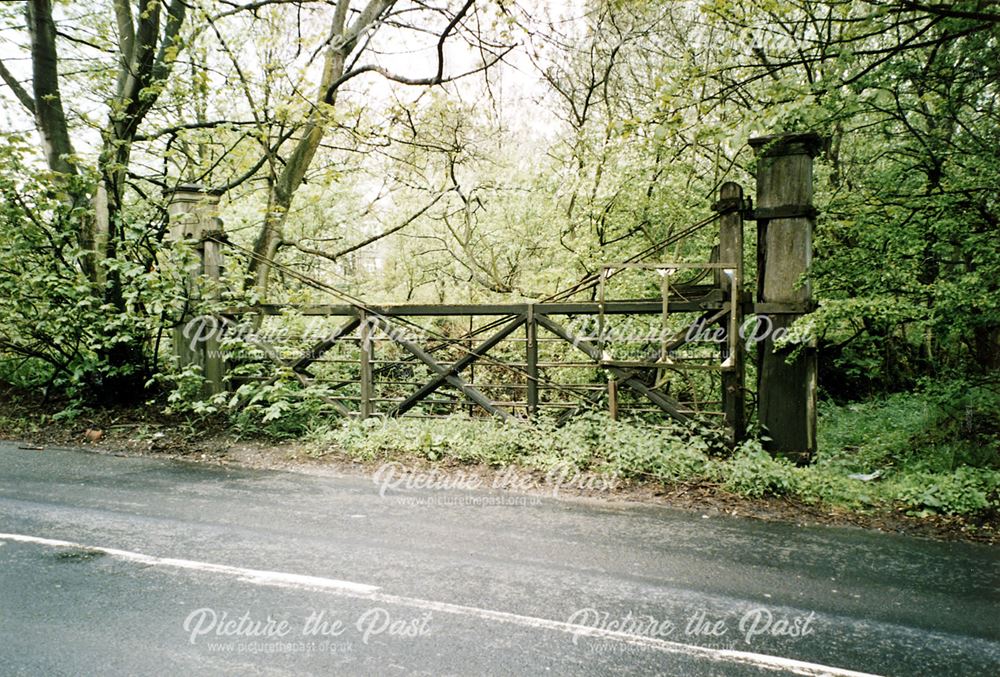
<point>674,349</point>
<point>525,359</point>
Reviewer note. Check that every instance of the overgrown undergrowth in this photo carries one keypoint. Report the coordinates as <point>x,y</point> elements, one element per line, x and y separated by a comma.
<point>935,452</point>
<point>920,453</point>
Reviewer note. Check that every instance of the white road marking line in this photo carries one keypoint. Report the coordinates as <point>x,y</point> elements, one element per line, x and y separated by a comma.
<point>725,655</point>
<point>370,592</point>
<point>249,575</point>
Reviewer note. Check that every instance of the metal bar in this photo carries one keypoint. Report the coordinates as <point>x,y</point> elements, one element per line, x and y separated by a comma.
<point>601,320</point>
<point>365,363</point>
<point>540,339</point>
<point>522,386</point>
<point>303,380</point>
<point>400,383</point>
<point>675,364</point>
<point>709,299</point>
<point>355,398</point>
<point>214,365</point>
<point>733,379</point>
<point>653,410</point>
<point>557,405</point>
<point>523,403</point>
<point>666,266</point>
<point>334,360</point>
<point>661,375</point>
<point>409,362</point>
<point>482,386</point>
<point>567,365</point>
<point>427,401</point>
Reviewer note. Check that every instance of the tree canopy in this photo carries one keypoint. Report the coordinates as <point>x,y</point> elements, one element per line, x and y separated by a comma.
<point>475,151</point>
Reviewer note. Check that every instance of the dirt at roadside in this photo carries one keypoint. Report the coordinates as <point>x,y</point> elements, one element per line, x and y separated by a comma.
<point>147,432</point>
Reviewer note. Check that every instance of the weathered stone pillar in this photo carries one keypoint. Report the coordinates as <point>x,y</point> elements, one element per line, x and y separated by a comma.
<point>785,220</point>
<point>194,221</point>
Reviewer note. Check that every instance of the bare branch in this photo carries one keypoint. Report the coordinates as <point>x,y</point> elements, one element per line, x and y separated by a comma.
<point>83,41</point>
<point>447,31</point>
<point>435,80</point>
<point>18,90</point>
<point>374,238</point>
<point>210,124</point>
<point>951,12</point>
<point>252,7</point>
<point>268,156</point>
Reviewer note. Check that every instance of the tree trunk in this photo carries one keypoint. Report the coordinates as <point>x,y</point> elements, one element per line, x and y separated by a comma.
<point>99,232</point>
<point>284,187</point>
<point>343,39</point>
<point>50,117</point>
<point>987,343</point>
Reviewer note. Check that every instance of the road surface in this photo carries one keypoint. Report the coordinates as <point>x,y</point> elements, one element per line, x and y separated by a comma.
<point>124,566</point>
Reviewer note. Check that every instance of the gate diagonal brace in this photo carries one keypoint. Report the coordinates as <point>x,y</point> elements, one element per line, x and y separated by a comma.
<point>626,378</point>
<point>444,372</point>
<point>468,359</point>
<point>303,380</point>
<point>678,340</point>
<point>322,346</point>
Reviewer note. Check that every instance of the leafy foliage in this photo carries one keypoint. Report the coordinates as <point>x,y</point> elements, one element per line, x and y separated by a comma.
<point>753,472</point>
<point>967,490</point>
<point>636,452</point>
<point>56,329</point>
<point>621,125</point>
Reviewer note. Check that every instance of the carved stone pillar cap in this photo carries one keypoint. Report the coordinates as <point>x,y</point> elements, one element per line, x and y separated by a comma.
<point>192,191</point>
<point>193,212</point>
<point>776,145</point>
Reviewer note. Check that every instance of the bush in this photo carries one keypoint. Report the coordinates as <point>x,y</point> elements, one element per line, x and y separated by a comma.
<point>752,472</point>
<point>912,441</point>
<point>671,455</point>
<point>828,486</point>
<point>62,328</point>
<point>967,490</point>
<point>589,443</point>
<point>281,409</point>
<point>945,425</point>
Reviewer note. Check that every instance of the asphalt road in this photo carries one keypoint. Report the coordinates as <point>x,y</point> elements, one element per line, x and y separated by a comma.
<point>126,566</point>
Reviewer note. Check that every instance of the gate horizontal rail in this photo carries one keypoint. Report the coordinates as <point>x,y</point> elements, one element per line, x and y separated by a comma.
<point>374,363</point>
